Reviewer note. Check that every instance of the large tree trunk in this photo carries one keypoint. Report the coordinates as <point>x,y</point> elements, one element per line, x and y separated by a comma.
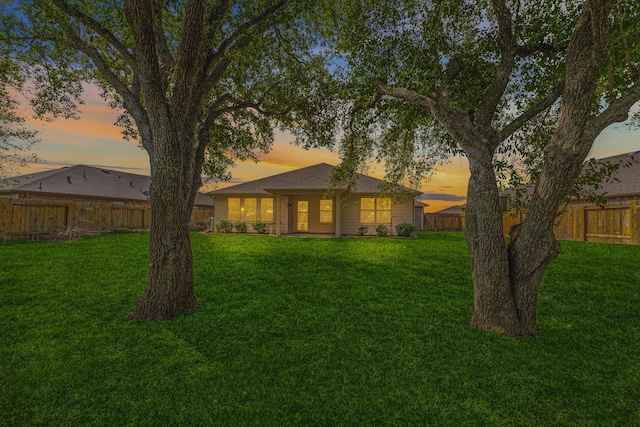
<point>170,287</point>
<point>494,305</point>
<point>506,279</point>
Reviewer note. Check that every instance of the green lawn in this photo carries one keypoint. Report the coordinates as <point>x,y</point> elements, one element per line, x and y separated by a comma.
<point>296,331</point>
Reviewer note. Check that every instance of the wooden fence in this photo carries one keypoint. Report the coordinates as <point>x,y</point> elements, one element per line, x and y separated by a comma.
<point>443,222</point>
<point>617,222</point>
<point>29,218</point>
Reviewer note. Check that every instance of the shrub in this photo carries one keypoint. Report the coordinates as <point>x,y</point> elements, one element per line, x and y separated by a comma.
<point>260,227</point>
<point>240,226</point>
<point>382,230</point>
<point>224,226</point>
<point>405,229</point>
<point>362,230</point>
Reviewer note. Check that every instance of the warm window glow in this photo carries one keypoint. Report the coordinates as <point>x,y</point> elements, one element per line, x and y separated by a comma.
<point>367,210</point>
<point>383,210</point>
<point>326,210</point>
<point>266,209</point>
<point>250,209</point>
<point>374,210</point>
<point>303,215</point>
<point>233,204</point>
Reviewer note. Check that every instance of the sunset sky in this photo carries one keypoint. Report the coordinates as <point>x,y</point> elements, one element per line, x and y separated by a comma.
<point>94,140</point>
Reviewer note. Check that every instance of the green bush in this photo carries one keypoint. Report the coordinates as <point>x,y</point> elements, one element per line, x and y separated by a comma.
<point>224,226</point>
<point>240,226</point>
<point>382,230</point>
<point>405,229</point>
<point>362,230</point>
<point>260,227</point>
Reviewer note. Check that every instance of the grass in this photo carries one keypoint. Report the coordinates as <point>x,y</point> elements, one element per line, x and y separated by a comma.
<point>312,332</point>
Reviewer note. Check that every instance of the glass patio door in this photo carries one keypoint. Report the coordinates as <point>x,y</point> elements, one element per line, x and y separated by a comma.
<point>303,215</point>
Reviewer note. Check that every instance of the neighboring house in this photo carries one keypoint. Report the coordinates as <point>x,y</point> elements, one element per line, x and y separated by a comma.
<point>294,202</point>
<point>617,222</point>
<point>80,196</point>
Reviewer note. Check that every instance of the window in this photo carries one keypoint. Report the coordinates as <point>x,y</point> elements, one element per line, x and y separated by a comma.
<point>248,209</point>
<point>326,210</point>
<point>233,204</point>
<point>266,209</point>
<point>374,210</point>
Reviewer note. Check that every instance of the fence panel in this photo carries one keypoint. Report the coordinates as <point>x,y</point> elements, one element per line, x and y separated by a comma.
<point>129,217</point>
<point>608,225</point>
<point>443,222</point>
<point>617,222</point>
<point>27,218</point>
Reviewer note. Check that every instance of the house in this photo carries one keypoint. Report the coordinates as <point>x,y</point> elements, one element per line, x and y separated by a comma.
<point>296,202</point>
<point>617,222</point>
<point>80,196</point>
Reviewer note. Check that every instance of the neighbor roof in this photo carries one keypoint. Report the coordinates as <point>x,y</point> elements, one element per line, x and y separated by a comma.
<point>625,182</point>
<point>314,177</point>
<point>88,181</point>
<point>453,210</point>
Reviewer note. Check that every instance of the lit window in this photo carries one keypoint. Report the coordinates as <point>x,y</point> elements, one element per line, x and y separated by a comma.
<point>326,210</point>
<point>383,210</point>
<point>234,209</point>
<point>250,209</point>
<point>374,210</point>
<point>367,210</point>
<point>266,209</point>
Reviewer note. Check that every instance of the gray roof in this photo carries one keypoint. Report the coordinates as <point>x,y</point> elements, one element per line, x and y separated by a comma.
<point>311,178</point>
<point>625,181</point>
<point>88,181</point>
<point>453,210</point>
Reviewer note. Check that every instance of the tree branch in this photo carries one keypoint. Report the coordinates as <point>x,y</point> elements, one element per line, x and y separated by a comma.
<point>241,31</point>
<point>189,48</point>
<point>505,66</point>
<point>99,29</point>
<point>538,108</point>
<point>130,98</point>
<point>166,58</point>
<point>616,112</point>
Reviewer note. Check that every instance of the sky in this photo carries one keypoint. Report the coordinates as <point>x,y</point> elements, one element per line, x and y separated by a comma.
<point>93,140</point>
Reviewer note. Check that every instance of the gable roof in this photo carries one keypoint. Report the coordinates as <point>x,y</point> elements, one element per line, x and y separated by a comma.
<point>625,181</point>
<point>453,210</point>
<point>310,178</point>
<point>88,181</point>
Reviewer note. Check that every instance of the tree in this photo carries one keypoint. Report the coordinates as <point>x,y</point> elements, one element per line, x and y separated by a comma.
<point>492,80</point>
<point>15,138</point>
<point>200,82</point>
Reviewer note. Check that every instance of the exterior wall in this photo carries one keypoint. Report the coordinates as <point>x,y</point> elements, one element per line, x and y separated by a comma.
<point>617,222</point>
<point>30,217</point>
<point>220,208</point>
<point>401,212</point>
<point>284,214</point>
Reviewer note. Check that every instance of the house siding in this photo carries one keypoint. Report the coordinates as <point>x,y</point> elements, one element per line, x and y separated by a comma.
<point>220,210</point>
<point>284,214</point>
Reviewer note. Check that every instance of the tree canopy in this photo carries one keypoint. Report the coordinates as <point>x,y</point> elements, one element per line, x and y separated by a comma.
<point>494,80</point>
<point>15,138</point>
